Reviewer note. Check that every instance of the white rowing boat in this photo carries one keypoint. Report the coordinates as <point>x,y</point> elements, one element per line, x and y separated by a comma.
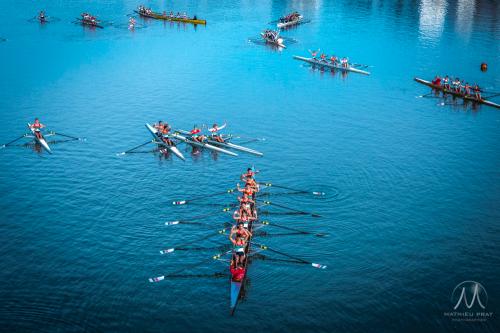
<point>227,144</point>
<point>201,144</point>
<point>41,141</point>
<point>158,139</point>
<point>330,65</point>
<point>282,25</point>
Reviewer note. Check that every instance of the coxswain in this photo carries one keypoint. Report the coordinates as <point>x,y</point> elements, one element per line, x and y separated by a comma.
<point>215,135</point>
<point>37,126</point>
<point>237,271</point>
<point>240,245</point>
<point>477,91</point>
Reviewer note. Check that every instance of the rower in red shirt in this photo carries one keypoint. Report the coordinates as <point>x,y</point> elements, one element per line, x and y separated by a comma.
<point>249,174</point>
<point>195,134</point>
<point>37,126</point>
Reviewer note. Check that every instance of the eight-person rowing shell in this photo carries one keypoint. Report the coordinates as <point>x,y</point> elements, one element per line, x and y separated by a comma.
<point>457,86</point>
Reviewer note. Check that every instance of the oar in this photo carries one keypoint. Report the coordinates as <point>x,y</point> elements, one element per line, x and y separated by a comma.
<point>68,136</point>
<point>170,250</point>
<point>139,146</point>
<point>293,229</point>
<point>223,210</point>
<point>315,265</point>
<point>292,189</point>
<point>174,274</point>
<point>183,202</point>
<point>8,143</point>
<point>290,208</point>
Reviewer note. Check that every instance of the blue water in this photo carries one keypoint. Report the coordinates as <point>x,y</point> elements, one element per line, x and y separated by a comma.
<point>412,186</point>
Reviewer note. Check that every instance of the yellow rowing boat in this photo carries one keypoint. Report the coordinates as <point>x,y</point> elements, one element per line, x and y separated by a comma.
<point>171,18</point>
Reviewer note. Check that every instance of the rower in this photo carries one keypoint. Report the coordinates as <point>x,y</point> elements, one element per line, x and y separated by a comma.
<point>467,89</point>
<point>215,135</point>
<point>240,245</point>
<point>345,62</point>
<point>131,23</point>
<point>477,91</point>
<point>446,82</point>
<point>249,174</point>
<point>195,134</point>
<point>246,204</point>
<point>241,231</point>
<point>159,126</point>
<point>41,16</point>
<point>237,271</point>
<point>37,126</point>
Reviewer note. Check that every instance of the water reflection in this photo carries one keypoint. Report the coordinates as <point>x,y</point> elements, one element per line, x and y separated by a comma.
<point>431,20</point>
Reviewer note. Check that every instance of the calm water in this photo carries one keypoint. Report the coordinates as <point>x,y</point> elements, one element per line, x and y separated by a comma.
<point>413,187</point>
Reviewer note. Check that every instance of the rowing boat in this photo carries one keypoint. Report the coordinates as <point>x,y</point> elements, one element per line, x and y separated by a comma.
<point>282,25</point>
<point>201,144</point>
<point>227,144</point>
<point>158,139</point>
<point>41,141</point>
<point>457,94</point>
<point>170,18</point>
<point>236,286</point>
<point>90,23</point>
<point>278,41</point>
<point>330,65</point>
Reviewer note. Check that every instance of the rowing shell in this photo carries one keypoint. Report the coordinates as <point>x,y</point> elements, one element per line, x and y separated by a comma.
<point>160,142</point>
<point>41,141</point>
<point>168,18</point>
<point>330,65</point>
<point>89,23</point>
<point>278,42</point>
<point>290,23</point>
<point>202,144</point>
<point>233,146</point>
<point>457,94</point>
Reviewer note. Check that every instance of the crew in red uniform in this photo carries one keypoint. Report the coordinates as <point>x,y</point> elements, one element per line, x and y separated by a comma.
<point>237,271</point>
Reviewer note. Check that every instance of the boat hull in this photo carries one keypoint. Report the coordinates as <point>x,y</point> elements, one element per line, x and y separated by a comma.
<point>330,65</point>
<point>157,16</point>
<point>41,141</point>
<point>456,94</point>
<point>173,149</point>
